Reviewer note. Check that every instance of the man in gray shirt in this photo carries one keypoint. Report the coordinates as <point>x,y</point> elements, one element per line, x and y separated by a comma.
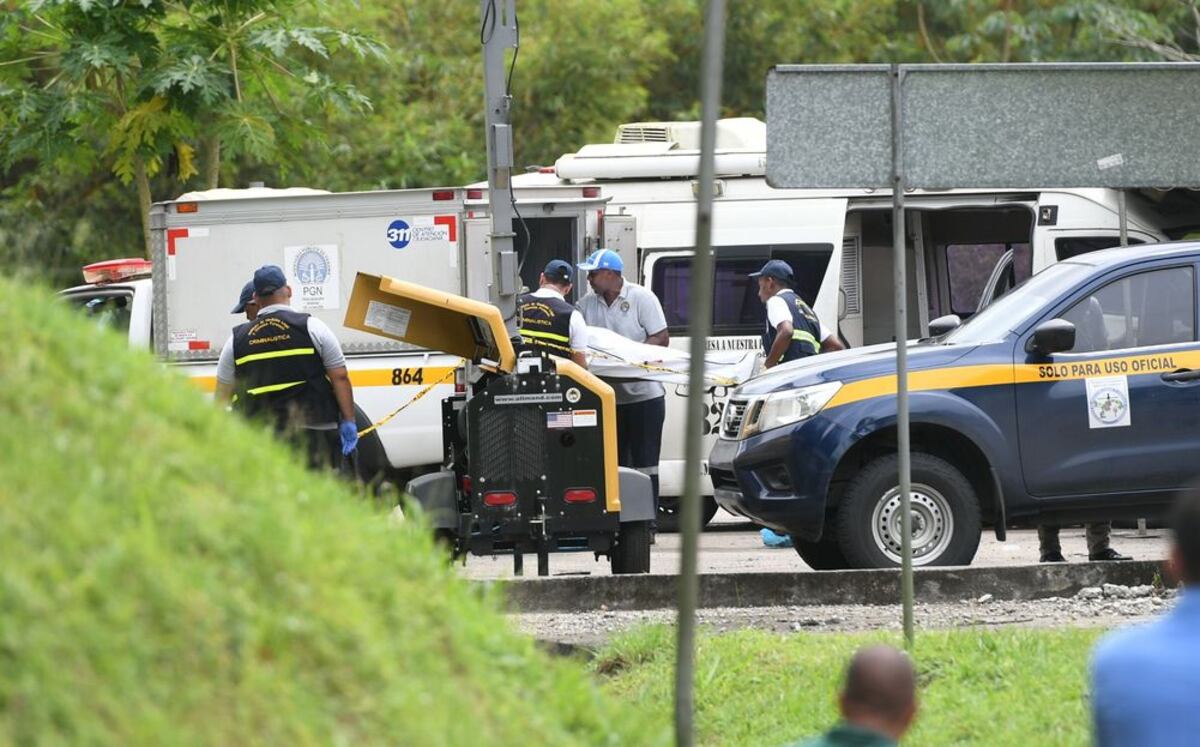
<point>633,312</point>
<point>289,368</point>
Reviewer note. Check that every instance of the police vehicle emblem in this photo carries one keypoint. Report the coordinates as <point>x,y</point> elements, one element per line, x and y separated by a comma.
<point>1108,405</point>
<point>312,266</point>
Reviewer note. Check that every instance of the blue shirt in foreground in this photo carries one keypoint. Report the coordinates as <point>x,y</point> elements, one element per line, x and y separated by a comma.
<point>1146,681</point>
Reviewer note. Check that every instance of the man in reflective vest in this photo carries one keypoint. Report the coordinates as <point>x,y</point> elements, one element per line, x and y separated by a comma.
<point>288,368</point>
<point>793,330</point>
<point>548,324</point>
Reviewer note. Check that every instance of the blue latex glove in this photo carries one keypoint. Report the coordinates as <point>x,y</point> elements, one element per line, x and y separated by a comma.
<point>348,430</point>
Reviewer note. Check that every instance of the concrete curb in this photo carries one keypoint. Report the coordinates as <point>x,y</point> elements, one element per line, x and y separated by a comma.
<point>582,593</point>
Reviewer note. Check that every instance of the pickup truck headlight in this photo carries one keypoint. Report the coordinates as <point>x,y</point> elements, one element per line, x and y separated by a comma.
<point>785,408</point>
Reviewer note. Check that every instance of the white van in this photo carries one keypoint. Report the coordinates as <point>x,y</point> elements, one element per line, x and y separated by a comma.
<point>966,246</point>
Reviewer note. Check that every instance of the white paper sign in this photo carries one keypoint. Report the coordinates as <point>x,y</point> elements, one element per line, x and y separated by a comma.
<point>1108,402</point>
<point>388,318</point>
<point>313,271</point>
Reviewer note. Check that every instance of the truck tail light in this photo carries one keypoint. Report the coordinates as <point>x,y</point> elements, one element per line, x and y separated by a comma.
<point>442,195</point>
<point>116,270</point>
<point>187,207</point>
<point>466,484</point>
<point>499,498</point>
<point>474,194</point>
<point>579,495</point>
<point>591,191</point>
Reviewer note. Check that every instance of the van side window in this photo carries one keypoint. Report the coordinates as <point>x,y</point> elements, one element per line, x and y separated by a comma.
<point>1072,246</point>
<point>970,265</point>
<point>736,308</point>
<point>1150,308</point>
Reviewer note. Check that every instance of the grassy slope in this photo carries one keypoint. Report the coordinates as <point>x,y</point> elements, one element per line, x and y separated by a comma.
<point>168,576</point>
<point>979,687</point>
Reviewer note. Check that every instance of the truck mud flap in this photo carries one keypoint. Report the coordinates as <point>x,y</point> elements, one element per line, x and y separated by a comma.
<point>637,495</point>
<point>435,493</point>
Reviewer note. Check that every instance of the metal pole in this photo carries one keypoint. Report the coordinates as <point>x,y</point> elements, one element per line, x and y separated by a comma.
<point>1123,217</point>
<point>498,32</point>
<point>899,273</point>
<point>700,316</point>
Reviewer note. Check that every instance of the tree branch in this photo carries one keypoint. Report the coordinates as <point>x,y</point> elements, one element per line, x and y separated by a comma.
<point>925,33</point>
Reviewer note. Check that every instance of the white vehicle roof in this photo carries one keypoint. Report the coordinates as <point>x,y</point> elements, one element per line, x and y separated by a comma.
<point>225,193</point>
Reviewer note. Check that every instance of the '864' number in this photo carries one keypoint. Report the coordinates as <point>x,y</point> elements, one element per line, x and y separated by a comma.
<point>407,376</point>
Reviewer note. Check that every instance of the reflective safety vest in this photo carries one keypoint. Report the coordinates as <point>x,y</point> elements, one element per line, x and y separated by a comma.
<point>545,325</point>
<point>278,372</point>
<point>806,330</point>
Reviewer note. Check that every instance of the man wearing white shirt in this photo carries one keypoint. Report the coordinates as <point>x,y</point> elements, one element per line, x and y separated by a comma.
<point>793,330</point>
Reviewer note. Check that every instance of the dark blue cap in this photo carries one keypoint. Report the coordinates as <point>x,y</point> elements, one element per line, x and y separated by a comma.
<point>268,279</point>
<point>559,271</point>
<point>246,297</point>
<point>775,268</point>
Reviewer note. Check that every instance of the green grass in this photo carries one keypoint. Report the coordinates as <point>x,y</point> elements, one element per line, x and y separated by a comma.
<point>978,687</point>
<point>168,575</point>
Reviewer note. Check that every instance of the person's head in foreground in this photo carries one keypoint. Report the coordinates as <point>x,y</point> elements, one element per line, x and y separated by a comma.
<point>1145,679</point>
<point>878,700</point>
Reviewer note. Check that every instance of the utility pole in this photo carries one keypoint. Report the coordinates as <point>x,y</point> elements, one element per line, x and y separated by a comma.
<point>499,32</point>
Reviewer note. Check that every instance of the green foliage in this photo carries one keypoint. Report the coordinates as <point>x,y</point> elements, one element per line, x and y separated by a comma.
<point>170,575</point>
<point>977,687</point>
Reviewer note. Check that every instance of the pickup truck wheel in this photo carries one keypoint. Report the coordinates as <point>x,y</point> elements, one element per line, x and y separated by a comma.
<point>631,554</point>
<point>944,508</point>
<point>668,513</point>
<point>823,555</point>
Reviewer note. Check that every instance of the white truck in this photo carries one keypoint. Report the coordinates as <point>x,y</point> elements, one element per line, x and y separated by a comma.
<point>206,246</point>
<point>966,246</point>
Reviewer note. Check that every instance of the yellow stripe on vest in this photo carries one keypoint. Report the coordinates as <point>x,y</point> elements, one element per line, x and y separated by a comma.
<point>273,388</point>
<point>274,354</point>
<point>544,335</point>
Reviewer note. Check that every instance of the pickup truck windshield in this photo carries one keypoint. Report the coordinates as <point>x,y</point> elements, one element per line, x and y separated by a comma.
<point>108,309</point>
<point>1010,310</point>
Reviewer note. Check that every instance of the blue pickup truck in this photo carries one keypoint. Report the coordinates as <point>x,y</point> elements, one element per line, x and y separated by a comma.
<point>1074,397</point>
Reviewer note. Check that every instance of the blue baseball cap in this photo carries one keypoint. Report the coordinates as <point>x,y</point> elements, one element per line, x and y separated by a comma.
<point>246,297</point>
<point>603,259</point>
<point>268,279</point>
<point>775,268</point>
<point>559,271</point>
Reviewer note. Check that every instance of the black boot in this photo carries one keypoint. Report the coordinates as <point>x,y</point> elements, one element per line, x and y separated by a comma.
<point>1108,554</point>
<point>1054,556</point>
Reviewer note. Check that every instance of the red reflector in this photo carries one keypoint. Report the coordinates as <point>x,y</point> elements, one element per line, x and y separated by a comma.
<point>460,381</point>
<point>466,484</point>
<point>187,207</point>
<point>591,191</point>
<point>443,194</point>
<point>499,498</point>
<point>474,194</point>
<point>198,345</point>
<point>579,495</point>
<point>546,170</point>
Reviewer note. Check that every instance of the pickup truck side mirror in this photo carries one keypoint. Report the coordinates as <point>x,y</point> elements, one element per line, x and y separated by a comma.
<point>1053,336</point>
<point>944,324</point>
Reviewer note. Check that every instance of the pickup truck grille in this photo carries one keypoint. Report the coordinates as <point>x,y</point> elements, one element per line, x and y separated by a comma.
<point>735,415</point>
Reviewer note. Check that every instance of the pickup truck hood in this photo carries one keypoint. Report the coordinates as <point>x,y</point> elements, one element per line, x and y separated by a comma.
<point>852,365</point>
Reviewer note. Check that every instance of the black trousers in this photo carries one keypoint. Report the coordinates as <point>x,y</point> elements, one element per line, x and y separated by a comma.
<point>639,437</point>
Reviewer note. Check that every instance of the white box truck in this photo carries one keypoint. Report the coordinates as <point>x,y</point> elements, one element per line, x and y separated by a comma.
<point>206,246</point>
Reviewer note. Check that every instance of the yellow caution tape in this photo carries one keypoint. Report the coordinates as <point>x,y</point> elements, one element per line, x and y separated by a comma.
<point>449,374</point>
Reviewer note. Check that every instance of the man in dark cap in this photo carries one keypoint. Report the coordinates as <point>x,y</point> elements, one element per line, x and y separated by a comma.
<point>246,303</point>
<point>793,330</point>
<point>878,701</point>
<point>288,367</point>
<point>548,324</point>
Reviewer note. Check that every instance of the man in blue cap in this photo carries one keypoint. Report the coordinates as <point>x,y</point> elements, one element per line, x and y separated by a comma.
<point>246,303</point>
<point>548,324</point>
<point>635,313</point>
<point>288,367</point>
<point>793,330</point>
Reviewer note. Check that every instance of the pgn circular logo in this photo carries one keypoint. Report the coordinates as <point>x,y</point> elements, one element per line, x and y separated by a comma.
<point>312,266</point>
<point>399,233</point>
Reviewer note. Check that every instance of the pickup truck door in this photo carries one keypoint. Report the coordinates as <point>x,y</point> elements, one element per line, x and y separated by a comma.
<point>1117,414</point>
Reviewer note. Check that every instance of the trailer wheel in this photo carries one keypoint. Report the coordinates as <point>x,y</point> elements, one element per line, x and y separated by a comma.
<point>945,515</point>
<point>823,555</point>
<point>631,554</point>
<point>668,513</point>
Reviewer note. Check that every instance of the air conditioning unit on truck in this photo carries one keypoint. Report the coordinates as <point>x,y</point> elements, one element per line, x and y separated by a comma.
<point>207,245</point>
<point>967,247</point>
